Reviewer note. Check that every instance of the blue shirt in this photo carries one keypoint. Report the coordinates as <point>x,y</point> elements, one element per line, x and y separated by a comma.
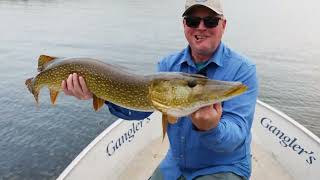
<point>225,148</point>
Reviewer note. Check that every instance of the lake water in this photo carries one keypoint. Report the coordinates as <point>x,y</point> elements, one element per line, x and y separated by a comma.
<point>281,37</point>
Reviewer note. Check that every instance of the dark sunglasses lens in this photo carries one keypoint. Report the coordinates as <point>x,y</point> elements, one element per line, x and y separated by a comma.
<point>211,22</point>
<point>193,22</point>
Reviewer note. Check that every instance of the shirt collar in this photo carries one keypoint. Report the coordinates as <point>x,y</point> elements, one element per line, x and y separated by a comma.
<point>216,58</point>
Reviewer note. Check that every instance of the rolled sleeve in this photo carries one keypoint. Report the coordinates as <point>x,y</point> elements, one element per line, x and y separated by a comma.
<point>126,113</point>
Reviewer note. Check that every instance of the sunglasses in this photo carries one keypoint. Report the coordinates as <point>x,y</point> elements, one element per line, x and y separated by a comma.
<point>209,21</point>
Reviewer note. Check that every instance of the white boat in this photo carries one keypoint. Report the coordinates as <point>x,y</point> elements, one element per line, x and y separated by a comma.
<point>281,149</point>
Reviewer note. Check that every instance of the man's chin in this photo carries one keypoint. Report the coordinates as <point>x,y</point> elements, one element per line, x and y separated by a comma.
<point>204,51</point>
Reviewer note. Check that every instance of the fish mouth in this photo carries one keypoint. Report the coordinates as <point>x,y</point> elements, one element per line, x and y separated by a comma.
<point>236,90</point>
<point>221,90</point>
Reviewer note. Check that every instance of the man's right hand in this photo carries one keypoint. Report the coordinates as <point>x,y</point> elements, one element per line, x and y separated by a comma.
<point>76,86</point>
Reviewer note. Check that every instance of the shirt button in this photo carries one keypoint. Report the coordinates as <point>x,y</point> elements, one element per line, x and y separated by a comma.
<point>181,156</point>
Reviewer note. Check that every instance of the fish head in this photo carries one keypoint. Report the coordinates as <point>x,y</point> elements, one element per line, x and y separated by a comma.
<point>180,94</point>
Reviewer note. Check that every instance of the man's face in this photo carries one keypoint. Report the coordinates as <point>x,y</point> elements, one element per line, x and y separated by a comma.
<point>202,40</point>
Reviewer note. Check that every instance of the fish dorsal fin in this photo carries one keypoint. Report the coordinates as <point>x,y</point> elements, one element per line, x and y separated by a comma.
<point>53,96</point>
<point>43,61</point>
<point>97,103</point>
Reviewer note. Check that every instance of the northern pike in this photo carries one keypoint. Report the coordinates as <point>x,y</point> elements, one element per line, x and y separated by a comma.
<point>172,93</point>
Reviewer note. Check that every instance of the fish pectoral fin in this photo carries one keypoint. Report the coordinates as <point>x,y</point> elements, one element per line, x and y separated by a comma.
<point>53,96</point>
<point>43,61</point>
<point>97,103</point>
<point>158,106</point>
<point>164,125</point>
<point>172,119</point>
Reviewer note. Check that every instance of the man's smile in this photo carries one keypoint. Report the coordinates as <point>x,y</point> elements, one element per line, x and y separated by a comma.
<point>200,37</point>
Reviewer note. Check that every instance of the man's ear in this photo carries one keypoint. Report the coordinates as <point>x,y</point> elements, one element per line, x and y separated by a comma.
<point>184,23</point>
<point>224,24</point>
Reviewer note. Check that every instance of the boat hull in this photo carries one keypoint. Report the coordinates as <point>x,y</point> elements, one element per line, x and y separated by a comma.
<point>281,149</point>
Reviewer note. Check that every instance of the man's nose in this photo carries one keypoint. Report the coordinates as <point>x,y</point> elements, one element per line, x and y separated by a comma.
<point>201,25</point>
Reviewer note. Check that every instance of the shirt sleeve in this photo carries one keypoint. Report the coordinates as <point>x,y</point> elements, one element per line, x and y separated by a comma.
<point>162,67</point>
<point>127,114</point>
<point>235,124</point>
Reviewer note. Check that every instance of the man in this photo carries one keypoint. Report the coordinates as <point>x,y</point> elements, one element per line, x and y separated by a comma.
<point>214,142</point>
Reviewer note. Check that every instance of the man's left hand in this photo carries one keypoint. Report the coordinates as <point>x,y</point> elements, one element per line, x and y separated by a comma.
<point>207,117</point>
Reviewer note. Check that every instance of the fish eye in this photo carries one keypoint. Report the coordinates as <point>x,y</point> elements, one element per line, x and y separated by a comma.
<point>192,83</point>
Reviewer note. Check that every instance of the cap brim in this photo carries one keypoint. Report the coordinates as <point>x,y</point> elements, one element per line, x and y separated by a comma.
<point>187,10</point>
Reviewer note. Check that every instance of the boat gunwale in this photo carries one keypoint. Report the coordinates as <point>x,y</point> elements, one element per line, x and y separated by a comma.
<point>291,120</point>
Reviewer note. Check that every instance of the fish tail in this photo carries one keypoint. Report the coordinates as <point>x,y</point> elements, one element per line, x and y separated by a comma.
<point>30,86</point>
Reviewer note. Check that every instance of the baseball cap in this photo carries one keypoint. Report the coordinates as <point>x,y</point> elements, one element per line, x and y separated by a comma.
<point>214,5</point>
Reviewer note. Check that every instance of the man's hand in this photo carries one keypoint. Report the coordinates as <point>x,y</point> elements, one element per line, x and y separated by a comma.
<point>207,117</point>
<point>76,86</point>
